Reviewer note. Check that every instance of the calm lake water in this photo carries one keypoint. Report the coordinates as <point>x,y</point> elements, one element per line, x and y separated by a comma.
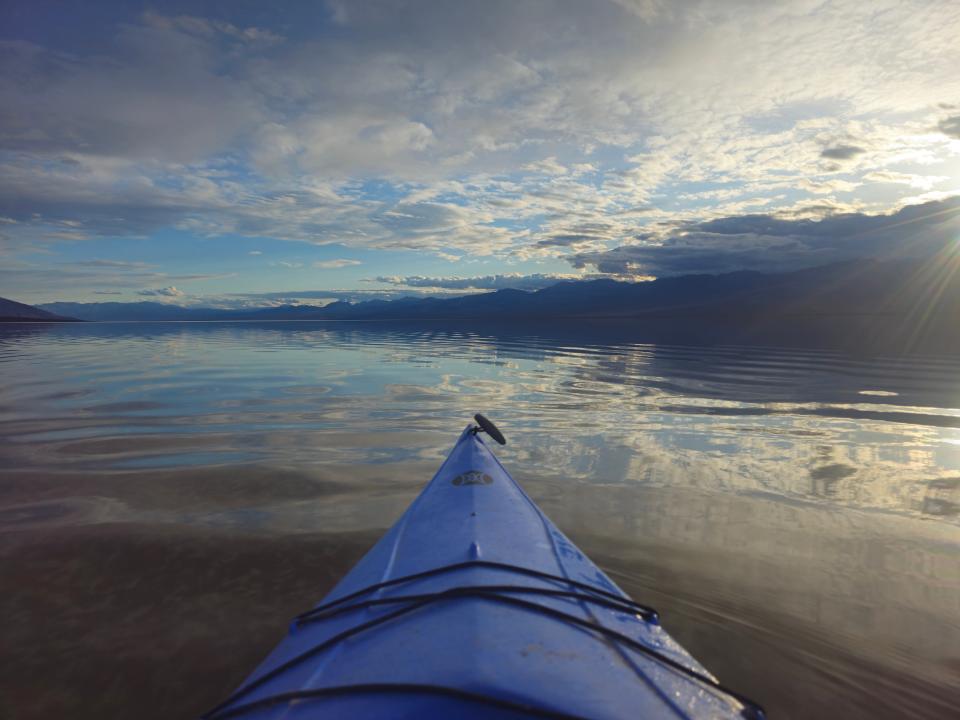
<point>172,494</point>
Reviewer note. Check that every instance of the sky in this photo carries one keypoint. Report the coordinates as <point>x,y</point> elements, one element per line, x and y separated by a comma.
<point>236,153</point>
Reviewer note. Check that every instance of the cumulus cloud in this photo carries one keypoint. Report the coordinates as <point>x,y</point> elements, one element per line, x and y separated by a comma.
<point>768,243</point>
<point>548,166</point>
<point>335,264</point>
<point>922,182</point>
<point>167,292</point>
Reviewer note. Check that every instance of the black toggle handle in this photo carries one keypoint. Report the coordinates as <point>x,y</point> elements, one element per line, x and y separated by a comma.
<point>490,429</point>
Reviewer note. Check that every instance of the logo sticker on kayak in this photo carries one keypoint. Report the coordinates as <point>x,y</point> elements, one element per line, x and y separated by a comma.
<point>472,477</point>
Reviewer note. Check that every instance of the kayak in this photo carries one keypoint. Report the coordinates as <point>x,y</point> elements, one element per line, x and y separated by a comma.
<point>474,605</point>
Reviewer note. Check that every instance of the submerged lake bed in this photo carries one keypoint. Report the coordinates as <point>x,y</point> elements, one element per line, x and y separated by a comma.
<point>172,493</point>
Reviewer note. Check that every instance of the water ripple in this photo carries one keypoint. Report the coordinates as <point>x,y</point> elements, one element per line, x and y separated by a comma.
<point>799,495</point>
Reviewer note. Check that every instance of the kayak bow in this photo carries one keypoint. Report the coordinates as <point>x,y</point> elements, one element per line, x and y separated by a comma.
<point>474,605</point>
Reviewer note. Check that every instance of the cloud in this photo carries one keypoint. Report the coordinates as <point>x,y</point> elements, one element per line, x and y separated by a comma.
<point>468,128</point>
<point>574,234</point>
<point>335,264</point>
<point>842,152</point>
<point>167,292</point>
<point>547,166</point>
<point>922,182</point>
<point>950,126</point>
<point>769,243</point>
<point>49,279</point>
<point>514,281</point>
<point>193,276</point>
<point>118,264</point>
<point>647,10</point>
<point>255,252</point>
<point>108,104</point>
<point>204,27</point>
<point>315,297</point>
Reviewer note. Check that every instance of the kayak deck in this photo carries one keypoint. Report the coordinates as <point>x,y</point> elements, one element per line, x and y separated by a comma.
<point>475,605</point>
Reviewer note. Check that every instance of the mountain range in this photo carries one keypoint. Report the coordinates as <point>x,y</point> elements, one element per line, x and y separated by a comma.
<point>916,300</point>
<point>850,287</point>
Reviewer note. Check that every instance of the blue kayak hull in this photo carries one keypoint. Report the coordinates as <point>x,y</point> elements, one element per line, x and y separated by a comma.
<point>475,605</point>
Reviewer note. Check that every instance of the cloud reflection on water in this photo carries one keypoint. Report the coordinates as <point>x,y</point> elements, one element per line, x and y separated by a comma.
<point>729,419</point>
<point>784,518</point>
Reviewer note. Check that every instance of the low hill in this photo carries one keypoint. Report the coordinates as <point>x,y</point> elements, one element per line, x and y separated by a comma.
<point>12,311</point>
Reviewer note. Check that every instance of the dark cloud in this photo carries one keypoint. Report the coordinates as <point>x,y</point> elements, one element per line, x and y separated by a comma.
<point>841,152</point>
<point>535,281</point>
<point>580,233</point>
<point>951,126</point>
<point>763,242</point>
<point>158,95</point>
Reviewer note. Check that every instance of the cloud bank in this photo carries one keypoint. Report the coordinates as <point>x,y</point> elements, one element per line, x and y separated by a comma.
<point>167,292</point>
<point>513,281</point>
<point>768,243</point>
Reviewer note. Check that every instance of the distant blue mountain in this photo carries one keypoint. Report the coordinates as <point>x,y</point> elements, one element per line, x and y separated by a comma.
<point>135,311</point>
<point>162,312</point>
<point>12,311</point>
<point>871,288</point>
<point>901,289</point>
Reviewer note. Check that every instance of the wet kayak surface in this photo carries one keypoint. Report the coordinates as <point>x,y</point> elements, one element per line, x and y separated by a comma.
<point>474,604</point>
